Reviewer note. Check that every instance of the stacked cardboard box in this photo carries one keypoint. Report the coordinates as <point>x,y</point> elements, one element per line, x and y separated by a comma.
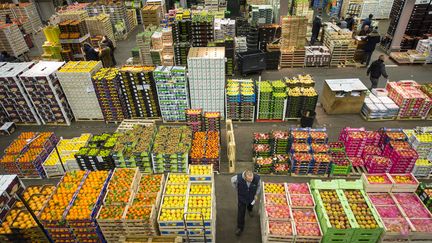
<point>99,26</point>
<point>151,15</point>
<point>301,8</point>
<point>261,14</point>
<point>340,43</point>
<point>13,97</point>
<point>202,29</point>
<point>172,90</point>
<point>22,11</point>
<point>224,28</point>
<point>106,84</point>
<point>268,33</point>
<point>79,15</point>
<point>379,106</point>
<point>143,40</point>
<point>207,78</point>
<point>212,5</point>
<point>181,50</point>
<point>12,40</point>
<point>424,47</point>
<point>167,47</point>
<point>317,56</point>
<point>139,91</point>
<point>44,89</point>
<point>292,41</point>
<point>75,79</point>
<point>73,34</point>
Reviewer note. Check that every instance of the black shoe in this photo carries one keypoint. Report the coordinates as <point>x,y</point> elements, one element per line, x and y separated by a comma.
<point>251,214</point>
<point>238,232</point>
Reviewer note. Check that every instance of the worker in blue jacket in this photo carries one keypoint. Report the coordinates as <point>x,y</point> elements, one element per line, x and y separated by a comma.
<point>248,188</point>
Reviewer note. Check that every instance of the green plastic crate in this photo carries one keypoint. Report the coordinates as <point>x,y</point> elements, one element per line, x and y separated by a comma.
<point>320,184</point>
<point>355,185</point>
<point>340,170</point>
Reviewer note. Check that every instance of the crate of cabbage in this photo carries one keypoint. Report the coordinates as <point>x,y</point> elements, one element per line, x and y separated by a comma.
<point>171,148</point>
<point>97,154</point>
<point>133,148</point>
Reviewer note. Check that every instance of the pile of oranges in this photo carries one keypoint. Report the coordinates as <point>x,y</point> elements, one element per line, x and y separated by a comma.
<point>61,198</point>
<point>111,212</point>
<point>119,189</point>
<point>87,196</point>
<point>5,226</point>
<point>24,221</point>
<point>149,187</point>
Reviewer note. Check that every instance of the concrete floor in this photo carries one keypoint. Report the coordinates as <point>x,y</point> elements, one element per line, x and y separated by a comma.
<point>226,197</point>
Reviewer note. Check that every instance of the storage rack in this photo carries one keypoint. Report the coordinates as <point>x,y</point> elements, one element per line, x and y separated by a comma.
<point>106,83</point>
<point>45,92</point>
<point>139,91</point>
<point>172,90</point>
<point>207,78</point>
<point>15,101</point>
<point>75,79</point>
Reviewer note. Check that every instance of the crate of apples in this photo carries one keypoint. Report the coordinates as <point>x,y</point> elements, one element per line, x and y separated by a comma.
<point>277,211</point>
<point>361,210</point>
<point>275,199</point>
<point>377,182</point>
<point>282,229</point>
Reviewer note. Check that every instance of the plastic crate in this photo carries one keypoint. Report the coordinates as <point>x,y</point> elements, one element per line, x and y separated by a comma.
<point>340,170</point>
<point>320,184</point>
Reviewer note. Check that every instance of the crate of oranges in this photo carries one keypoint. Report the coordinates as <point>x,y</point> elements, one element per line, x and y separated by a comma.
<point>6,234</point>
<point>81,216</point>
<point>26,228</point>
<point>121,186</point>
<point>111,223</point>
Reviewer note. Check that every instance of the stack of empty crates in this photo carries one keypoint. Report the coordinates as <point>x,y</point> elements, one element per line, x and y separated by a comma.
<point>12,40</point>
<point>292,41</point>
<point>340,43</point>
<point>75,79</point>
<point>261,14</point>
<point>13,97</point>
<point>44,89</point>
<point>212,5</point>
<point>240,44</point>
<point>99,26</point>
<point>52,47</point>
<point>157,47</point>
<point>207,78</point>
<point>317,56</point>
<point>182,36</point>
<point>144,44</point>
<point>151,15</point>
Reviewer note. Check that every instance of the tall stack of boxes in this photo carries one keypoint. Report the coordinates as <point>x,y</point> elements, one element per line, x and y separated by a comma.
<point>341,45</point>
<point>51,47</point>
<point>202,30</point>
<point>261,14</point>
<point>73,34</point>
<point>292,41</point>
<point>182,36</point>
<point>99,26</point>
<point>207,78</point>
<point>151,15</point>
<point>12,40</point>
<point>143,40</point>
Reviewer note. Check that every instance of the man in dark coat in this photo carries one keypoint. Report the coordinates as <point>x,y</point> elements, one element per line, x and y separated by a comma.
<point>90,53</point>
<point>110,44</point>
<point>350,22</point>
<point>375,70</point>
<point>248,187</point>
<point>316,26</point>
<point>371,40</point>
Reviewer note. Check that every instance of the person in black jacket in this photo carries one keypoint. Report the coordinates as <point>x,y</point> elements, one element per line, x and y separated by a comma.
<point>316,26</point>
<point>350,22</point>
<point>110,44</point>
<point>90,53</point>
<point>371,40</point>
<point>375,70</point>
<point>248,188</point>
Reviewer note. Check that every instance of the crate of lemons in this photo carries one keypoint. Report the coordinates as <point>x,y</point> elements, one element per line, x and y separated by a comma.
<point>187,199</point>
<point>67,149</point>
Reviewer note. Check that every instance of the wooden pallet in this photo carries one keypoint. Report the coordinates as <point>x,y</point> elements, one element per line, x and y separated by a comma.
<point>128,124</point>
<point>231,145</point>
<point>417,118</point>
<point>309,175</point>
<point>136,238</point>
<point>375,119</point>
<point>88,119</point>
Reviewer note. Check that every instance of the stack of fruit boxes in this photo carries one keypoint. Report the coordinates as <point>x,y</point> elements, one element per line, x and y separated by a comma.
<point>75,79</point>
<point>193,196</point>
<point>46,93</point>
<point>13,96</point>
<point>110,218</point>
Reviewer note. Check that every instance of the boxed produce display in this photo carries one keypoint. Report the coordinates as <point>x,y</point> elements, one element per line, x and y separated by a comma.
<point>133,148</point>
<point>271,100</point>
<point>341,164</point>
<point>14,98</point>
<point>45,92</point>
<point>194,199</point>
<point>67,149</point>
<point>10,185</point>
<point>241,99</point>
<point>302,96</point>
<point>403,182</point>
<point>194,119</point>
<point>76,81</point>
<point>377,182</point>
<point>212,121</point>
<point>106,83</point>
<point>424,191</point>
<point>412,101</point>
<point>97,154</point>
<point>172,92</point>
<point>26,154</point>
<point>206,149</point>
<point>379,107</point>
<point>285,217</point>
<point>139,91</point>
<point>52,215</point>
<point>171,148</point>
<point>421,140</point>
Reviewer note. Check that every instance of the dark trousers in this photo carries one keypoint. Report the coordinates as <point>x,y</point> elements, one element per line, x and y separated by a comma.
<point>241,212</point>
<point>367,57</point>
<point>374,82</point>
